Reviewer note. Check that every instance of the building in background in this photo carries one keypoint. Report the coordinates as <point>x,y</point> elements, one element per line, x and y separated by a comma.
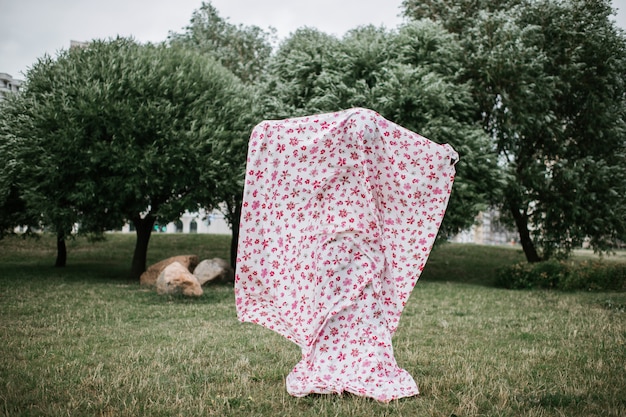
<point>487,231</point>
<point>8,85</point>
<point>78,44</point>
<point>196,222</point>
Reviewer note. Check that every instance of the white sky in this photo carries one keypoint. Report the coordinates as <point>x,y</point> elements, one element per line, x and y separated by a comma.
<point>31,28</point>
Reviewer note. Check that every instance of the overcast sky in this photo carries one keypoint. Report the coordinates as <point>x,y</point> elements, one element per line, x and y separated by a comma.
<point>31,28</point>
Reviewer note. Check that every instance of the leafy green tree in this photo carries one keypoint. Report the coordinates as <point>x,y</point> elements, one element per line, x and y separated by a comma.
<point>455,15</point>
<point>584,194</point>
<point>300,72</point>
<point>245,51</point>
<point>425,92</point>
<point>410,76</point>
<point>549,79</point>
<point>13,210</point>
<point>120,131</point>
<point>23,159</point>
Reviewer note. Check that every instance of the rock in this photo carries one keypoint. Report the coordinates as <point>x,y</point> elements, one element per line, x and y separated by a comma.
<point>213,271</point>
<point>176,278</point>
<point>152,273</point>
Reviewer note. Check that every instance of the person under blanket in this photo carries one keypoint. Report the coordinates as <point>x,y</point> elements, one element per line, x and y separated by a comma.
<point>340,212</point>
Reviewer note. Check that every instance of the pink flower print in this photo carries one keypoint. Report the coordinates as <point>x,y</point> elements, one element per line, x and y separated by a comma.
<point>316,239</point>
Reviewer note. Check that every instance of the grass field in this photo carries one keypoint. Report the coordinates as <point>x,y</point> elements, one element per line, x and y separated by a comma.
<point>84,341</point>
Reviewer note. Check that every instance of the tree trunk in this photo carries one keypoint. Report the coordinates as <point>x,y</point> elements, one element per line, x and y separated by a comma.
<point>143,228</point>
<point>521,221</point>
<point>235,237</point>
<point>61,251</point>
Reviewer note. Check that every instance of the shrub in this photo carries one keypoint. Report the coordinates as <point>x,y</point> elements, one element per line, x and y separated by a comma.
<point>525,275</point>
<point>595,276</point>
<point>552,274</point>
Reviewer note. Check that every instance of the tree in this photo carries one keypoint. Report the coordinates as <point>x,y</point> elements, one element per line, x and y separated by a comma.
<point>13,210</point>
<point>455,15</point>
<point>23,159</point>
<point>584,196</point>
<point>120,131</point>
<point>549,79</point>
<point>300,72</point>
<point>245,51</point>
<point>409,76</point>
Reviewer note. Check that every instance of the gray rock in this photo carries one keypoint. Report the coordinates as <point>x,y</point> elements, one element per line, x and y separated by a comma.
<point>214,270</point>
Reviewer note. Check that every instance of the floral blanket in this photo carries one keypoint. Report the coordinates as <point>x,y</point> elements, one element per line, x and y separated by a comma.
<point>340,212</point>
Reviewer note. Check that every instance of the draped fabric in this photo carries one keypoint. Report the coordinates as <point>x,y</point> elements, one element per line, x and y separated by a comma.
<point>339,215</point>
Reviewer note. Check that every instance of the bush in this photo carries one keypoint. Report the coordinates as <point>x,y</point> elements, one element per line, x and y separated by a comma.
<point>525,275</point>
<point>595,276</point>
<point>569,276</point>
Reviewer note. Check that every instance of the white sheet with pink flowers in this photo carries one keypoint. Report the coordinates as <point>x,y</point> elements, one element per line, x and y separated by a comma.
<point>340,212</point>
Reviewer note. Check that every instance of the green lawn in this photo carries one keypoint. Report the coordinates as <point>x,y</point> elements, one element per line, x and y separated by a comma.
<point>84,341</point>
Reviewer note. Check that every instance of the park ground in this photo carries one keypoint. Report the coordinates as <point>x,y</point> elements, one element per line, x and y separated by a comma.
<point>85,341</point>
